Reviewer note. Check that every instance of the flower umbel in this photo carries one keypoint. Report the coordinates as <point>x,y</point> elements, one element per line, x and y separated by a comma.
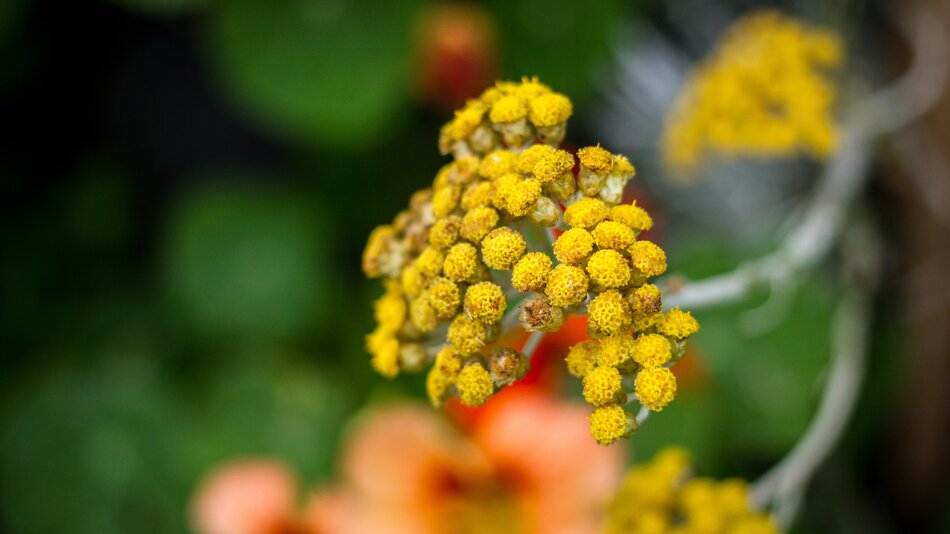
<point>458,262</point>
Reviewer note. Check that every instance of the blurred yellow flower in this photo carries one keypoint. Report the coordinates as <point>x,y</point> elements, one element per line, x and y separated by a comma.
<point>763,92</point>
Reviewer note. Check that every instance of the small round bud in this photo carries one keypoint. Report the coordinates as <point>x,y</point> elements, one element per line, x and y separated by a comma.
<point>449,362</point>
<point>652,350</point>
<point>437,387</point>
<point>602,386</point>
<point>610,423</point>
<point>596,159</point>
<point>563,187</point>
<point>497,163</point>
<point>645,299</point>
<point>550,109</point>
<point>522,196</point>
<point>502,247</point>
<point>608,268</point>
<point>613,235</point>
<point>461,263</point>
<point>573,246</point>
<point>648,258</point>
<point>615,350</point>
<point>677,324</point>
<point>444,297</point>
<point>430,262</point>
<point>632,216</point>
<point>474,385</point>
<point>412,357</point>
<point>477,194</point>
<point>531,272</point>
<point>507,365</point>
<point>655,388</point>
<point>545,212</point>
<point>466,335</point>
<point>446,200</point>
<point>586,213</point>
<point>485,302</point>
<point>608,314</point>
<point>552,165</point>
<point>477,222</point>
<point>384,348</point>
<point>567,286</point>
<point>581,358</point>
<point>445,232</point>
<point>538,315</point>
<point>422,314</point>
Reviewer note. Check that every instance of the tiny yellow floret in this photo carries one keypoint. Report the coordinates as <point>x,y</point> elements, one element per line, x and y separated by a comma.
<point>477,223</point>
<point>550,109</point>
<point>497,163</point>
<point>466,334</point>
<point>614,235</point>
<point>485,302</point>
<point>648,258</point>
<point>677,324</point>
<point>586,213</point>
<point>508,109</point>
<point>521,196</point>
<point>474,385</point>
<point>581,358</point>
<point>608,314</point>
<point>430,262</point>
<point>652,350</point>
<point>615,350</point>
<point>531,272</point>
<point>445,232</point>
<point>609,269</point>
<point>462,263</point>
<point>655,388</point>
<point>502,248</point>
<point>567,286</point>
<point>573,246</point>
<point>609,423</point>
<point>444,297</point>
<point>602,386</point>
<point>632,215</point>
<point>596,159</point>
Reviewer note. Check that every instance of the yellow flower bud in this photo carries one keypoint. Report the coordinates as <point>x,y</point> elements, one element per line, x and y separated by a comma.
<point>462,263</point>
<point>615,350</point>
<point>444,297</point>
<point>430,262</point>
<point>437,387</point>
<point>632,216</point>
<point>445,232</point>
<point>531,272</point>
<point>581,358</point>
<point>497,163</point>
<point>477,194</point>
<point>538,315</point>
<point>677,324</point>
<point>610,423</point>
<point>522,196</point>
<point>477,223</point>
<point>485,302</point>
<point>602,386</point>
<point>586,213</point>
<point>652,350</point>
<point>648,258</point>
<point>567,286</point>
<point>608,314</point>
<point>474,385</point>
<point>446,200</point>
<point>573,246</point>
<point>550,109</point>
<point>467,335</point>
<point>655,388</point>
<point>613,235</point>
<point>502,247</point>
<point>609,269</point>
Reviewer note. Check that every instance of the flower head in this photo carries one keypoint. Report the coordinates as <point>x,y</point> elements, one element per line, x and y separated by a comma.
<point>482,233</point>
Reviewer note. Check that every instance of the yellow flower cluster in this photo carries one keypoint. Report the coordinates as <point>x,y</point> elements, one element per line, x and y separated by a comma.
<point>660,497</point>
<point>510,114</point>
<point>481,237</point>
<point>763,92</point>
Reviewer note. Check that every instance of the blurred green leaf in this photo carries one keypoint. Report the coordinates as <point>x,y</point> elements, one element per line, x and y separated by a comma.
<point>248,260</point>
<point>323,72</point>
<point>560,41</point>
<point>88,452</point>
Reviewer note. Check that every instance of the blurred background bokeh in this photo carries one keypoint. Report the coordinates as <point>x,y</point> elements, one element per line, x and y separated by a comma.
<point>187,186</point>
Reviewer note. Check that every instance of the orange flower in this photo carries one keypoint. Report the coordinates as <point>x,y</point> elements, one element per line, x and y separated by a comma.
<point>527,465</point>
<point>258,496</point>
